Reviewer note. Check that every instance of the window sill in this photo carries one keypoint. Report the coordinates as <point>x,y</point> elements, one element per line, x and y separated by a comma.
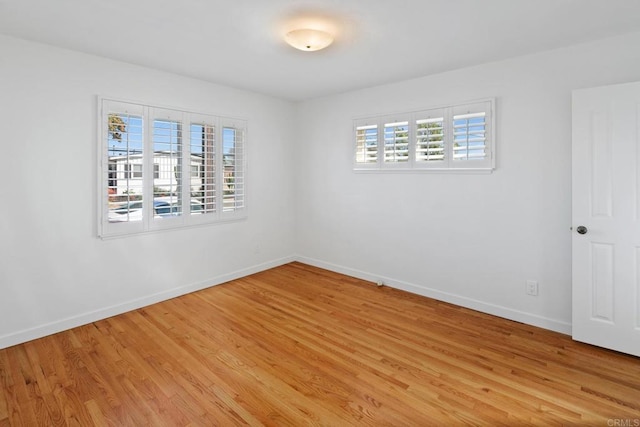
<point>118,235</point>
<point>463,171</point>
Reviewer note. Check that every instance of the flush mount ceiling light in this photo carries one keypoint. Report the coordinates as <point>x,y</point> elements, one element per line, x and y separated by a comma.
<point>308,39</point>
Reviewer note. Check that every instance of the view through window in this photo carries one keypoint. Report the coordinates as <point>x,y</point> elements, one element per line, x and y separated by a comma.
<point>190,171</point>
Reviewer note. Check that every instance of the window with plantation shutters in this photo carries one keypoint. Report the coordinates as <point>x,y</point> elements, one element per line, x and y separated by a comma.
<point>396,142</point>
<point>469,136</point>
<point>196,165</point>
<point>430,149</point>
<point>166,139</point>
<point>202,158</point>
<point>367,144</point>
<point>453,138</point>
<point>472,136</point>
<point>233,176</point>
<point>123,136</point>
<point>430,140</point>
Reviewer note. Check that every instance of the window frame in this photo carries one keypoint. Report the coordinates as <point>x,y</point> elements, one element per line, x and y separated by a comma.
<point>413,164</point>
<point>180,152</point>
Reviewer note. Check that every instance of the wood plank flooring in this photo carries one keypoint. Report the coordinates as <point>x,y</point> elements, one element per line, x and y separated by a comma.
<point>297,346</point>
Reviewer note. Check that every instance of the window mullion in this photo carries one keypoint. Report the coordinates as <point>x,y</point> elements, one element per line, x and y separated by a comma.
<point>186,167</point>
<point>411,132</point>
<point>147,165</point>
<point>448,136</point>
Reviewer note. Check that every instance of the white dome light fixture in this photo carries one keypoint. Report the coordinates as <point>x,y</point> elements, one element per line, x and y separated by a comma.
<point>308,39</point>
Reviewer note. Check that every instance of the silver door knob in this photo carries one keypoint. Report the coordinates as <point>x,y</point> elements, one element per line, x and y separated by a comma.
<point>582,229</point>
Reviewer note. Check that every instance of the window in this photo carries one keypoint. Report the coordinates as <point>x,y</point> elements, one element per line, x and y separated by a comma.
<point>196,160</point>
<point>396,142</point>
<point>367,144</point>
<point>455,138</point>
<point>469,140</point>
<point>232,153</point>
<point>430,143</point>
<point>203,169</point>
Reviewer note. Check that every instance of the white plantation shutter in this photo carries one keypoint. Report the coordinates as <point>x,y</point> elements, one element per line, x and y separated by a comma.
<point>430,138</point>
<point>122,154</point>
<point>367,144</point>
<point>167,191</point>
<point>203,167</point>
<point>469,140</point>
<point>396,142</point>
<point>163,168</point>
<point>471,145</point>
<point>233,166</point>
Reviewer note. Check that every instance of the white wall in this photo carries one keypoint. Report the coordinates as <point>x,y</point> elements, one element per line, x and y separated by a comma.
<point>469,239</point>
<point>54,272</point>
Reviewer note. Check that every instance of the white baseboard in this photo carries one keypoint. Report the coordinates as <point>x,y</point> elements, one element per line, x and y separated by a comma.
<point>103,313</point>
<point>496,310</point>
<point>93,316</point>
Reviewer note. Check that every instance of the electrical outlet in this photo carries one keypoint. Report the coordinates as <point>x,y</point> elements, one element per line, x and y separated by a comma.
<point>531,288</point>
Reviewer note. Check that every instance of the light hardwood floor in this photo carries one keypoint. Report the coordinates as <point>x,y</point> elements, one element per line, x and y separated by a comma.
<point>298,346</point>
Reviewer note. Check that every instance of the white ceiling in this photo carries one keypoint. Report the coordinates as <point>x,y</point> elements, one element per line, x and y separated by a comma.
<point>239,42</point>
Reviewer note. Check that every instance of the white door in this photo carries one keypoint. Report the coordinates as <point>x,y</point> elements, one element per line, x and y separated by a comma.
<point>606,208</point>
